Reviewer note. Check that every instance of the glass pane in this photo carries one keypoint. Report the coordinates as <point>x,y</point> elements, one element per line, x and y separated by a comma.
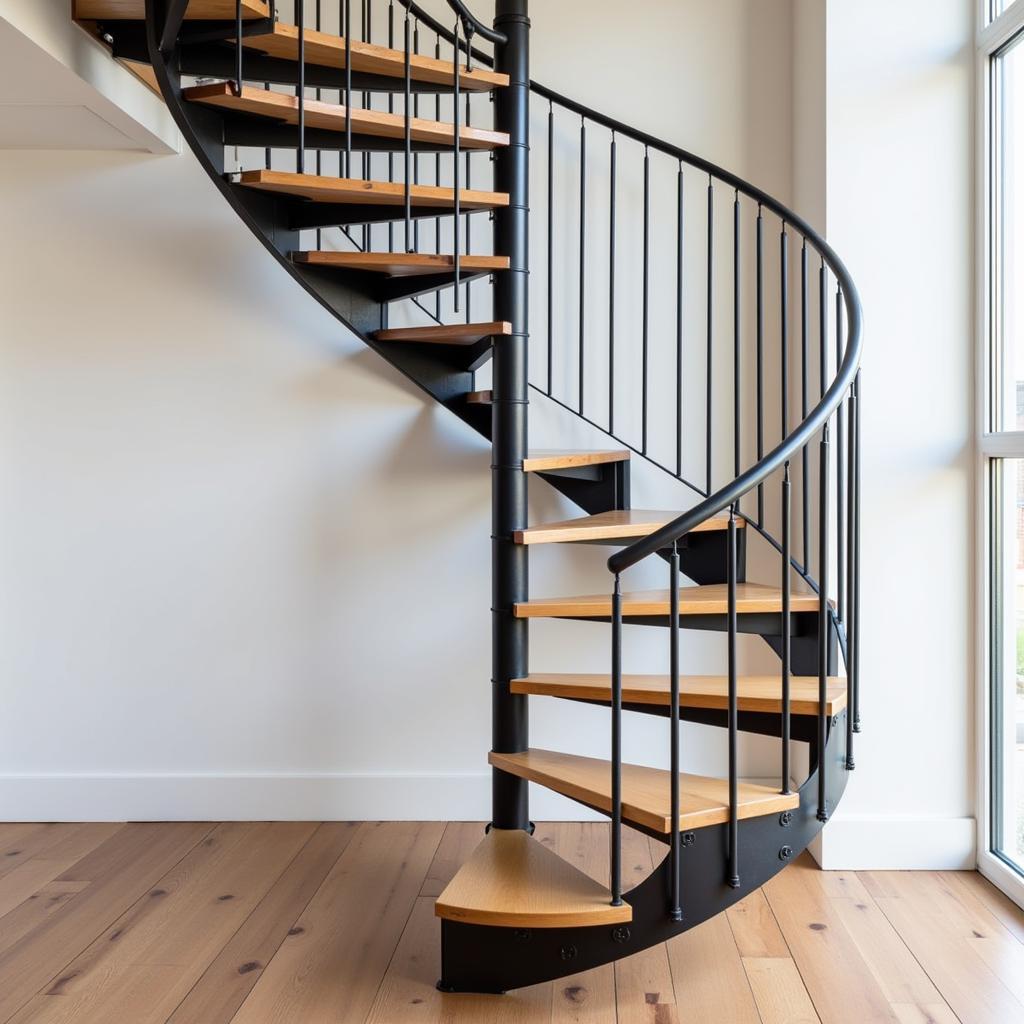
<point>996,7</point>
<point>1008,661</point>
<point>1008,236</point>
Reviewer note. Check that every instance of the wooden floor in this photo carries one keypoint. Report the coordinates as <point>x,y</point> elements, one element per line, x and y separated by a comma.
<point>333,924</point>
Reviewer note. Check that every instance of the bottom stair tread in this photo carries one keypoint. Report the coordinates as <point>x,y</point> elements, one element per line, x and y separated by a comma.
<point>646,792</point>
<point>514,881</point>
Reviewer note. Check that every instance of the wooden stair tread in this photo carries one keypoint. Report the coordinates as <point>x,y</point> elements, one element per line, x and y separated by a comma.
<point>628,524</point>
<point>197,10</point>
<point>756,693</point>
<point>321,189</point>
<point>284,108</point>
<point>708,599</point>
<point>646,795</point>
<point>443,334</point>
<point>515,881</point>
<point>328,51</point>
<point>545,459</point>
<point>401,264</point>
<point>480,398</point>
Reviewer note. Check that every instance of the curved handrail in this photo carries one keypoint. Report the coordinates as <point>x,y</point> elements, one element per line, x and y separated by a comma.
<point>467,18</point>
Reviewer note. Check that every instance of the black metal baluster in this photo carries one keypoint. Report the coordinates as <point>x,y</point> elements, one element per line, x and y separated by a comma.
<point>319,152</point>
<point>736,334</point>
<point>646,296</point>
<point>760,357</point>
<point>457,241</point>
<point>551,239</point>
<point>300,89</point>
<point>616,836</point>
<point>391,110</point>
<point>469,222</point>
<point>416,114</point>
<point>407,117</point>
<point>855,566</point>
<point>851,623</point>
<point>709,365</point>
<point>611,288</point>
<point>734,853</point>
<point>583,252</point>
<point>787,624</point>
<point>236,86</point>
<point>823,625</point>
<point>840,474</point>
<point>437,181</point>
<point>348,86</point>
<point>805,483</point>
<point>366,35</point>
<point>675,905</point>
<point>784,327</point>
<point>267,152</point>
<point>680,224</point>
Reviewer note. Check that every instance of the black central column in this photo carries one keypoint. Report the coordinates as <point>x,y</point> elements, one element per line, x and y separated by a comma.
<point>510,640</point>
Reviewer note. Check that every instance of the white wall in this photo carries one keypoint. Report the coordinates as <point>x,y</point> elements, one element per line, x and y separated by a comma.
<point>898,202</point>
<point>243,565</point>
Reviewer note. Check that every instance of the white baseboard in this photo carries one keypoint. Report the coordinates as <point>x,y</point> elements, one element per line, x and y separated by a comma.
<point>851,843</point>
<point>298,797</point>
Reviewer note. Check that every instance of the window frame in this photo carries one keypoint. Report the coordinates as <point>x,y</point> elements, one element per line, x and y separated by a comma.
<point>994,37</point>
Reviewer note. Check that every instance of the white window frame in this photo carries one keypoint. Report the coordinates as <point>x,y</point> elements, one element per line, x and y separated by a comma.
<point>991,37</point>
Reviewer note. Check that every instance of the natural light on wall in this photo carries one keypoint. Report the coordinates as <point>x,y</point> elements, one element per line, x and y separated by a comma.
<point>1001,69</point>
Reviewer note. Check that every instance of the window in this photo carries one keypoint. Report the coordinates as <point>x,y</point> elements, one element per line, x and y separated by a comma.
<point>1001,79</point>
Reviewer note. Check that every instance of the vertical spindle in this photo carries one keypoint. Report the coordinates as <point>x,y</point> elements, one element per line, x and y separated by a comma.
<point>736,335</point>
<point>646,297</point>
<point>300,89</point>
<point>551,241</point>
<point>709,356</point>
<point>616,780</point>
<point>823,626</point>
<point>787,624</point>
<point>583,256</point>
<point>805,470</point>
<point>611,287</point>
<point>680,225</point>
<point>760,355</point>
<point>734,854</point>
<point>675,902</point>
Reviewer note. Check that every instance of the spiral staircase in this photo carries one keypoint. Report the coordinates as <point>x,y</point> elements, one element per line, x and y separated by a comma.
<point>312,123</point>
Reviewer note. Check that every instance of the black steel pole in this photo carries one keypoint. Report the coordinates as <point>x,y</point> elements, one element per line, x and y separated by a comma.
<point>510,637</point>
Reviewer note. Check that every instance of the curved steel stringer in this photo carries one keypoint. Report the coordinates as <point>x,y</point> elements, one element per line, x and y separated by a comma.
<point>481,958</point>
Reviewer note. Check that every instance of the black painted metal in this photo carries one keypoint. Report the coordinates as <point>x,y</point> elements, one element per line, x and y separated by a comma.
<point>583,259</point>
<point>734,804</point>
<point>551,241</point>
<point>805,476</point>
<point>710,347</point>
<point>611,284</point>
<point>823,615</point>
<point>760,358</point>
<point>616,747</point>
<point>456,187</point>
<point>300,87</point>
<point>646,303</point>
<point>509,443</point>
<point>675,907</point>
<point>787,625</point>
<point>236,85</point>
<point>680,254</point>
<point>737,327</point>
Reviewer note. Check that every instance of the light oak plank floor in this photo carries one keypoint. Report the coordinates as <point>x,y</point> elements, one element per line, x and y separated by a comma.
<point>333,924</point>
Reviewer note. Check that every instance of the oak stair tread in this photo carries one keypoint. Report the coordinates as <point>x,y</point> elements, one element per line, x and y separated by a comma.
<point>646,792</point>
<point>480,398</point>
<point>197,10</point>
<point>357,191</point>
<point>706,599</point>
<point>400,264</point>
<point>514,881</point>
<point>627,524</point>
<point>325,50</point>
<point>284,108</point>
<point>756,693</point>
<point>444,334</point>
<point>546,459</point>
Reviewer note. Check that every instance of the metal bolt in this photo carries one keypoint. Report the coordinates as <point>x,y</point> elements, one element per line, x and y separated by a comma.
<point>620,934</point>
<point>569,952</point>
<point>689,838</point>
<point>523,934</point>
<point>785,853</point>
<point>786,819</point>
